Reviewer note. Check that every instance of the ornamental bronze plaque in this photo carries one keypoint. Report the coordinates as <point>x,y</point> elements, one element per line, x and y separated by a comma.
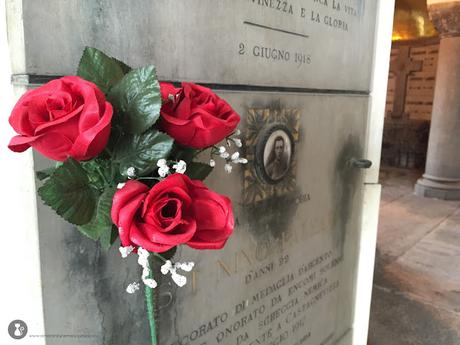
<point>271,136</point>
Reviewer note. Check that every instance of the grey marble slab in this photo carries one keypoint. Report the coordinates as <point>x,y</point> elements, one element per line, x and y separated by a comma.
<point>287,274</point>
<point>324,44</point>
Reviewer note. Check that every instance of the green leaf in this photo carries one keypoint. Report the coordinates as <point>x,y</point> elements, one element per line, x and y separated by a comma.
<point>68,192</point>
<point>102,70</point>
<point>198,171</point>
<point>101,223</point>
<point>98,172</point>
<point>185,153</point>
<point>142,151</point>
<point>108,237</point>
<point>45,173</point>
<point>137,100</point>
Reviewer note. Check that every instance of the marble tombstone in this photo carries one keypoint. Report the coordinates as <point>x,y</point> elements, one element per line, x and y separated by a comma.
<point>299,73</point>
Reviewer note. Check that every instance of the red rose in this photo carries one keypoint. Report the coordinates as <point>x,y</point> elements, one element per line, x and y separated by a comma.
<point>195,116</point>
<point>175,211</point>
<point>67,117</point>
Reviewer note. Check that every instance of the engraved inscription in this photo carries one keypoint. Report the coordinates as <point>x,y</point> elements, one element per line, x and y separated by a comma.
<point>277,312</point>
<point>279,5</point>
<point>338,15</point>
<point>276,54</point>
<point>310,44</point>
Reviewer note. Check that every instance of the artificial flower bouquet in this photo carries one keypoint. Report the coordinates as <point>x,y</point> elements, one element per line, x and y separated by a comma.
<point>126,147</point>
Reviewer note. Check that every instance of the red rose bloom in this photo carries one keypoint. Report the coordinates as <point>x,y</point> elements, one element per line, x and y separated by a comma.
<point>195,116</point>
<point>67,117</point>
<point>175,211</point>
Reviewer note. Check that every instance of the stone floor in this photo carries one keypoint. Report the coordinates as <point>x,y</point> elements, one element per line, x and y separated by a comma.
<point>416,296</point>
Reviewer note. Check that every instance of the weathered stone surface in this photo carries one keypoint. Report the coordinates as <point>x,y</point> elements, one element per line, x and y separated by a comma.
<point>396,183</point>
<point>314,44</point>
<point>435,256</point>
<point>302,240</point>
<point>416,298</point>
<point>319,229</point>
<point>84,287</point>
<point>399,320</point>
<point>408,217</point>
<point>288,274</point>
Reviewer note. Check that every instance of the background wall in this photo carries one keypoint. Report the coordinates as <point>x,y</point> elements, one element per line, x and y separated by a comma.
<point>405,138</point>
<point>420,85</point>
<point>20,292</point>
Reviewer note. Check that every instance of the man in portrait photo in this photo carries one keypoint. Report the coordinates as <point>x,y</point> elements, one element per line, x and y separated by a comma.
<point>277,163</point>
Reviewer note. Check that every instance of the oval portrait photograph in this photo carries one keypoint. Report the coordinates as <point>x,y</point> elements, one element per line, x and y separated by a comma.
<point>274,153</point>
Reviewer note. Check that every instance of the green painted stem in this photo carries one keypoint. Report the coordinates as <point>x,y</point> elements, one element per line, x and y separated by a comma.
<point>150,300</point>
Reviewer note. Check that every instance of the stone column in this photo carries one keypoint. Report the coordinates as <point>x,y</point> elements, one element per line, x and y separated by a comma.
<point>442,173</point>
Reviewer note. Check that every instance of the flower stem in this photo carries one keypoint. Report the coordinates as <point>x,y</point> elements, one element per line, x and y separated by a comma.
<point>150,300</point>
<point>149,178</point>
<point>99,171</point>
<point>160,257</point>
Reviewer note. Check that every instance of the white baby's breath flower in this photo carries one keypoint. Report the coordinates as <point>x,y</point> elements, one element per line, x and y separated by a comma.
<point>142,252</point>
<point>143,258</point>
<point>212,163</point>
<point>223,152</point>
<point>125,251</point>
<point>180,167</point>
<point>241,161</point>
<point>185,266</point>
<point>131,172</point>
<point>163,171</point>
<point>121,185</point>
<point>179,279</point>
<point>235,156</point>
<point>132,288</point>
<point>237,133</point>
<point>166,267</point>
<point>237,142</point>
<point>161,163</point>
<point>145,272</point>
<point>151,283</point>
<point>228,168</point>
<point>163,168</point>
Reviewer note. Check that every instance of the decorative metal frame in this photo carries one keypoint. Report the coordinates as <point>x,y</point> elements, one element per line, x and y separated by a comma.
<point>260,122</point>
